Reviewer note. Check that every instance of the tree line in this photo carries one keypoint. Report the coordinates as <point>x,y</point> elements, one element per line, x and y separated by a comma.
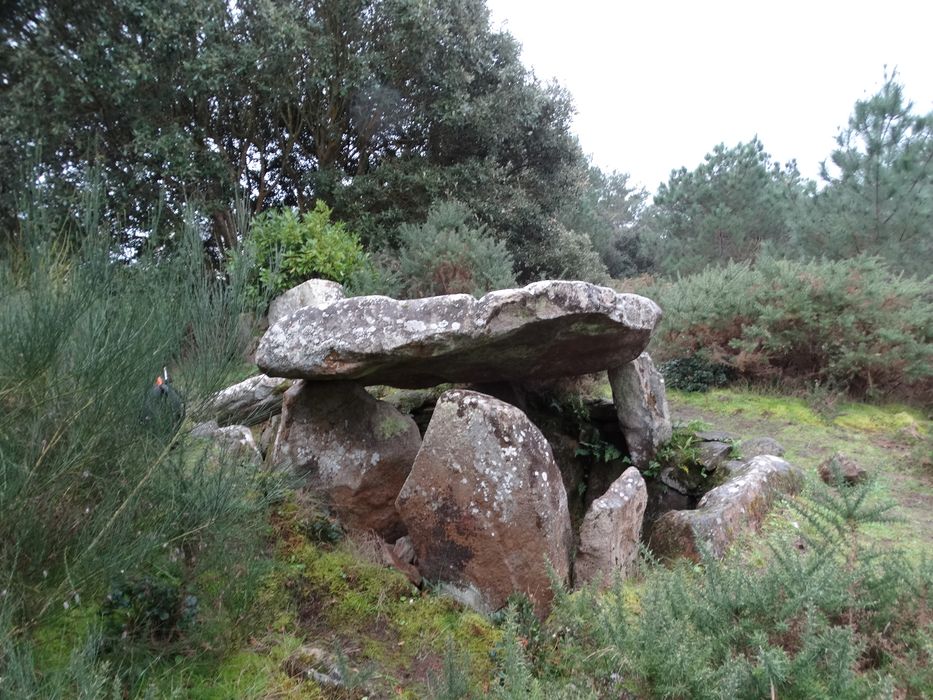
<point>382,109</point>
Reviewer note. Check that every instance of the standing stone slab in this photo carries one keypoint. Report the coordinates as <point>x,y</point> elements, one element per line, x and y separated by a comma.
<point>737,506</point>
<point>545,330</point>
<point>314,292</point>
<point>354,450</point>
<point>484,504</point>
<point>611,530</point>
<point>641,405</point>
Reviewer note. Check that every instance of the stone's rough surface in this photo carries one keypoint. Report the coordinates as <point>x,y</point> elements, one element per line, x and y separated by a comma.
<point>484,504</point>
<point>232,440</point>
<point>544,330</point>
<point>641,405</point>
<point>761,446</point>
<point>611,530</point>
<point>250,402</point>
<point>354,450</point>
<point>314,292</point>
<point>738,505</point>
<point>847,469</point>
<point>710,455</point>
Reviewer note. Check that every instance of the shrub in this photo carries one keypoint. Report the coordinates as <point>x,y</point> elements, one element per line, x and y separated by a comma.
<point>822,616</point>
<point>88,488</point>
<point>450,254</point>
<point>850,325</point>
<point>695,373</point>
<point>287,248</point>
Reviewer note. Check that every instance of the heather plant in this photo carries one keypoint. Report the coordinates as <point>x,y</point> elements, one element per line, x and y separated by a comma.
<point>823,615</point>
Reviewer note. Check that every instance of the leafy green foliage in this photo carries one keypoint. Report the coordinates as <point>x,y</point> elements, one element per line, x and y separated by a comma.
<point>451,254</point>
<point>286,248</point>
<point>148,607</point>
<point>394,105</point>
<point>851,325</point>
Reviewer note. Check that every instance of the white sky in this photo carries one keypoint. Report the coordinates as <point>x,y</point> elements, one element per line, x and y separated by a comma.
<point>658,83</point>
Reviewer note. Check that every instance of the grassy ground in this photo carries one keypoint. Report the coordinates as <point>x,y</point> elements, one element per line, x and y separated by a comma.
<point>893,442</point>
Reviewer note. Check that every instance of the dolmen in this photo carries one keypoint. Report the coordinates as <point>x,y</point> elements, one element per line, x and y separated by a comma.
<point>479,499</point>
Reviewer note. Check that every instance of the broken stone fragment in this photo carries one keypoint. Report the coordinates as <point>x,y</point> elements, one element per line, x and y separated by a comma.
<point>349,447</point>
<point>234,441</point>
<point>727,511</point>
<point>545,330</point>
<point>249,402</point>
<point>485,506</point>
<point>641,406</point>
<point>610,532</point>
<point>760,446</point>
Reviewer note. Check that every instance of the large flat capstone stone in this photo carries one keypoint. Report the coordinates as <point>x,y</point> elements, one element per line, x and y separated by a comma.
<point>544,330</point>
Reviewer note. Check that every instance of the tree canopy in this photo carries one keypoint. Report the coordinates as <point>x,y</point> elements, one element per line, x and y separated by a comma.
<point>377,107</point>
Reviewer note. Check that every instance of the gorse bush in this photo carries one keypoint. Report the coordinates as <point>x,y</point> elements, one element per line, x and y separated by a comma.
<point>450,254</point>
<point>89,491</point>
<point>851,325</point>
<point>822,617</point>
<point>284,249</point>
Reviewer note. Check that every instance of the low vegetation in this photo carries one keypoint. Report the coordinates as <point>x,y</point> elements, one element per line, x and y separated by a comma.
<point>850,326</point>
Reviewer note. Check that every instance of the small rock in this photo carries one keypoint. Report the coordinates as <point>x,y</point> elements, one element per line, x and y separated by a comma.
<point>847,469</point>
<point>710,455</point>
<point>761,446</point>
<point>314,664</point>
<point>611,530</point>
<point>233,440</point>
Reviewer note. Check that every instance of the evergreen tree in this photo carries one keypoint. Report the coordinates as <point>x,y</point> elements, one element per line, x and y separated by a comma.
<point>878,198</point>
<point>725,209</point>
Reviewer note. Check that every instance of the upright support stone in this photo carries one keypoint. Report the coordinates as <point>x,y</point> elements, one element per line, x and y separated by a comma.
<point>313,292</point>
<point>611,530</point>
<point>354,450</point>
<point>641,405</point>
<point>485,506</point>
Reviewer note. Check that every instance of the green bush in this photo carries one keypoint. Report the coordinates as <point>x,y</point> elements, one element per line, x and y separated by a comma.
<point>450,254</point>
<point>285,249</point>
<point>851,325</point>
<point>88,489</point>
<point>695,373</point>
<point>823,616</point>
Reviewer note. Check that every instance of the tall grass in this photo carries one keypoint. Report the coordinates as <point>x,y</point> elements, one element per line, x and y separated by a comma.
<point>90,493</point>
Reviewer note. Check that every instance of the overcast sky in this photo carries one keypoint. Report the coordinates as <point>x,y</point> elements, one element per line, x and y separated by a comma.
<point>658,83</point>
